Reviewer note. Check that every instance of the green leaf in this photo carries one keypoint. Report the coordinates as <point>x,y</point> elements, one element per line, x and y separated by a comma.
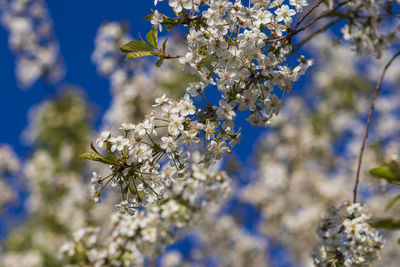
<point>150,16</point>
<point>159,62</point>
<point>152,37</point>
<point>110,158</point>
<point>206,62</point>
<point>386,223</point>
<point>93,148</point>
<point>164,45</point>
<point>96,157</point>
<point>136,46</point>
<point>392,202</point>
<point>384,172</point>
<point>170,23</point>
<point>107,146</point>
<point>137,54</point>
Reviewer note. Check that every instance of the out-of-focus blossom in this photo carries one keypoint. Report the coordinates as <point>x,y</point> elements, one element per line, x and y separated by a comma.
<point>32,40</point>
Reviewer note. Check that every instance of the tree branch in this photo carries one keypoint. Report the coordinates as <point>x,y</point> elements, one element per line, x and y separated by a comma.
<point>326,13</point>
<point>371,109</point>
<point>318,31</point>
<point>296,31</point>
<point>307,14</point>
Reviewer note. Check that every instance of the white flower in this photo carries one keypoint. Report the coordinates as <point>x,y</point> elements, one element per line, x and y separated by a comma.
<point>347,238</point>
<point>210,130</point>
<point>168,143</point>
<point>178,5</point>
<point>186,106</point>
<point>149,234</point>
<point>96,179</point>
<point>141,152</point>
<point>170,208</point>
<point>127,126</point>
<point>175,126</point>
<point>95,193</point>
<point>161,100</point>
<point>189,137</point>
<point>103,137</point>
<point>217,149</point>
<point>298,4</point>
<point>118,143</point>
<point>284,13</point>
<point>157,20</point>
<point>263,17</point>
<point>125,207</point>
<point>225,111</point>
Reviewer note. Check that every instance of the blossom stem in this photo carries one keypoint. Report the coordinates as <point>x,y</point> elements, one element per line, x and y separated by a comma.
<point>314,33</point>
<point>307,14</point>
<point>320,17</point>
<point>371,109</point>
<point>296,31</point>
<point>204,98</point>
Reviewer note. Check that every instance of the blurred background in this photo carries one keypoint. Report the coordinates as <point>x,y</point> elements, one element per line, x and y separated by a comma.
<point>64,80</point>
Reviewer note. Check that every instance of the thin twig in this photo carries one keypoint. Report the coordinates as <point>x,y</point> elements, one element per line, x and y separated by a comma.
<point>318,31</point>
<point>295,31</point>
<point>371,109</point>
<point>307,14</point>
<point>321,16</point>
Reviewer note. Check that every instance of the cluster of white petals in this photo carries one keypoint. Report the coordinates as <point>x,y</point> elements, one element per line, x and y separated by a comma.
<point>230,244</point>
<point>32,41</point>
<point>143,162</point>
<point>372,26</point>
<point>30,259</point>
<point>107,57</point>
<point>346,238</point>
<point>9,161</point>
<point>300,173</point>
<point>232,46</point>
<point>59,130</point>
<point>131,238</point>
<point>9,164</point>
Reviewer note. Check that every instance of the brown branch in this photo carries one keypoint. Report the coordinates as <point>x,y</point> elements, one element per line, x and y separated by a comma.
<point>307,14</point>
<point>326,13</point>
<point>295,31</point>
<point>318,31</point>
<point>371,109</point>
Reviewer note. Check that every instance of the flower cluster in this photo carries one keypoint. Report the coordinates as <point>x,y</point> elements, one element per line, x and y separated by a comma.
<point>371,27</point>
<point>135,157</point>
<point>106,55</point>
<point>32,40</point>
<point>238,49</point>
<point>224,239</point>
<point>346,237</point>
<point>9,161</point>
<point>9,164</point>
<point>146,234</point>
<point>59,129</point>
<point>300,174</point>
<point>30,259</point>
